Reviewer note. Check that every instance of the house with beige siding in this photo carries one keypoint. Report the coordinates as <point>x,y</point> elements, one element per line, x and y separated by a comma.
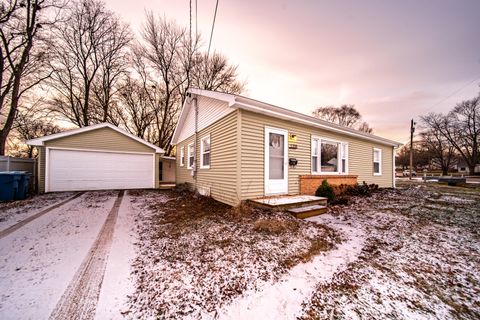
<point>235,148</point>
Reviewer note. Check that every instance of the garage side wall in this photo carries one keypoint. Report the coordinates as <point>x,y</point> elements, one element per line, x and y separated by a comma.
<point>220,180</point>
<point>41,169</point>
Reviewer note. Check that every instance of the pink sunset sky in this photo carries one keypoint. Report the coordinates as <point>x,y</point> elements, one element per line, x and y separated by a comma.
<point>395,60</point>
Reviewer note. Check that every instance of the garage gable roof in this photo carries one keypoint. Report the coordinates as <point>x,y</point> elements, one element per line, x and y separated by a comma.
<point>41,141</point>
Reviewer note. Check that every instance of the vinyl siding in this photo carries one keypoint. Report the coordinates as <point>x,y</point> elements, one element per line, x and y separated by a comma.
<point>221,177</point>
<point>210,110</point>
<point>360,156</point>
<point>41,169</point>
<point>100,139</point>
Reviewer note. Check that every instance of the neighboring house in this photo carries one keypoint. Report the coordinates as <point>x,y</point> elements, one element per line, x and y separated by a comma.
<point>98,157</point>
<point>235,148</point>
<point>462,167</point>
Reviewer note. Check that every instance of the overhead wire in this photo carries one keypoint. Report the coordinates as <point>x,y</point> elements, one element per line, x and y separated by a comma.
<point>213,27</point>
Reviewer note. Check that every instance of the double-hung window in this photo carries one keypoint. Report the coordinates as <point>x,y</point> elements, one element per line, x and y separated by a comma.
<point>377,162</point>
<point>329,156</point>
<point>182,156</point>
<point>191,155</point>
<point>205,152</point>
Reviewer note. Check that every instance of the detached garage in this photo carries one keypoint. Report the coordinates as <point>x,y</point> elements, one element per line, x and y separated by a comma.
<point>98,157</point>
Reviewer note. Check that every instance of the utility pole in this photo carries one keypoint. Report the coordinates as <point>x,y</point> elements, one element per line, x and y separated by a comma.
<point>412,130</point>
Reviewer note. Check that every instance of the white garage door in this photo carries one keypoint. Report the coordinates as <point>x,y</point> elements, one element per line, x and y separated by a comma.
<point>70,170</point>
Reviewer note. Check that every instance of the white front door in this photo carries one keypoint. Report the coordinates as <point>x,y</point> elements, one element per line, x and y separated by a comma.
<point>276,161</point>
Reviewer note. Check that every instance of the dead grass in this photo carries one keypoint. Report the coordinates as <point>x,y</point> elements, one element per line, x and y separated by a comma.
<point>420,259</point>
<point>275,226</point>
<point>196,254</point>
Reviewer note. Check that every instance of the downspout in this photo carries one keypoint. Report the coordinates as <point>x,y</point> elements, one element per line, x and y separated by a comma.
<point>393,167</point>
<point>194,169</point>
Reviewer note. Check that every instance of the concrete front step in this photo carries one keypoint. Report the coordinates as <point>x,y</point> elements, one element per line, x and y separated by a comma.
<point>310,211</point>
<point>286,203</point>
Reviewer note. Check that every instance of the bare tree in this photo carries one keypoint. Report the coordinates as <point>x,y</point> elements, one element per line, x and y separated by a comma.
<point>461,128</point>
<point>88,61</point>
<point>441,150</point>
<point>173,59</point>
<point>216,74</point>
<point>345,115</point>
<point>21,54</point>
<point>30,124</point>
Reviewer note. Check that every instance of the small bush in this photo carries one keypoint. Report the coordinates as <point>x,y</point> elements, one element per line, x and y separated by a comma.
<point>339,201</point>
<point>274,226</point>
<point>363,189</point>
<point>325,190</point>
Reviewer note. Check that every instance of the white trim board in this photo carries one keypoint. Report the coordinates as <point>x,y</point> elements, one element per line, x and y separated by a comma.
<point>236,101</point>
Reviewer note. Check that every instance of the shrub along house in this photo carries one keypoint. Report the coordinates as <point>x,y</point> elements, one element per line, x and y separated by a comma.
<point>235,148</point>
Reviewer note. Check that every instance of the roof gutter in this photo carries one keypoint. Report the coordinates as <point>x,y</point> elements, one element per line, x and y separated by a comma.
<point>257,109</point>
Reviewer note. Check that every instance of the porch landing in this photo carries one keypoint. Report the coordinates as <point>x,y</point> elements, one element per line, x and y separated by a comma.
<point>302,206</point>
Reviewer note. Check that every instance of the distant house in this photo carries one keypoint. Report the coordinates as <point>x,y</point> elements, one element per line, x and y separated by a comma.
<point>235,148</point>
<point>462,167</point>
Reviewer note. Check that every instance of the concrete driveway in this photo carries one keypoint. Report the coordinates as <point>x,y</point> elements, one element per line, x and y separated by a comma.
<point>67,259</point>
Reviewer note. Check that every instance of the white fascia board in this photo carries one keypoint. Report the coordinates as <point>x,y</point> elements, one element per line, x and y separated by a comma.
<point>41,141</point>
<point>282,114</point>
<point>181,120</point>
<point>229,98</point>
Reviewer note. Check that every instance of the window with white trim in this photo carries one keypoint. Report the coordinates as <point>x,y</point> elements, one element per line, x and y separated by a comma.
<point>329,156</point>
<point>377,162</point>
<point>344,158</point>
<point>182,156</point>
<point>191,155</point>
<point>205,152</point>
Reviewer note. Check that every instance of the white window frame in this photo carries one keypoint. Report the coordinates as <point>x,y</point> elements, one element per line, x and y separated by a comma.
<point>190,155</point>
<point>341,146</point>
<point>379,173</point>
<point>182,156</point>
<point>202,151</point>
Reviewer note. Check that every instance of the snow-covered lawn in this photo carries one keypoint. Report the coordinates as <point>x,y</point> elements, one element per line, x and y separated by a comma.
<point>195,255</point>
<point>410,253</point>
<point>421,259</point>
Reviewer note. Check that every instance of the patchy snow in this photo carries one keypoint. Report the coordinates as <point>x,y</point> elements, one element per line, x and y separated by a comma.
<point>117,283</point>
<point>16,211</point>
<point>40,259</point>
<point>195,255</point>
<point>283,299</point>
<point>420,260</point>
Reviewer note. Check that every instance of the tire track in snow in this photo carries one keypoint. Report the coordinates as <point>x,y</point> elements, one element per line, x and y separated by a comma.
<point>79,300</point>
<point>20,224</point>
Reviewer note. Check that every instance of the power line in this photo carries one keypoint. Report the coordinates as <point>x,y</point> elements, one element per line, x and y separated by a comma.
<point>211,33</point>
<point>452,94</point>
<point>196,20</point>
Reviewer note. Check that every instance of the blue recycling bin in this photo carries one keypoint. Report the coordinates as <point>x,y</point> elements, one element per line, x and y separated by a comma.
<point>9,185</point>
<point>23,184</point>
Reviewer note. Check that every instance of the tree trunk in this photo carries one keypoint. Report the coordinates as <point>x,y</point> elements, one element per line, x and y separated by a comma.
<point>3,141</point>
<point>471,169</point>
